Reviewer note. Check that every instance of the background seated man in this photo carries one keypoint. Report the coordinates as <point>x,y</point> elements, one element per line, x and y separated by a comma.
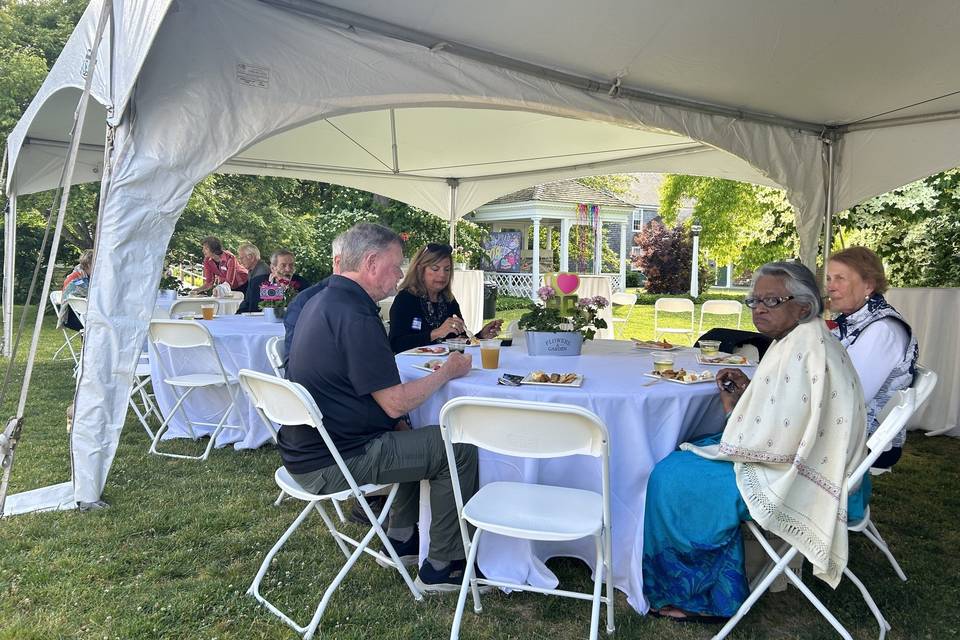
<point>282,276</point>
<point>342,356</point>
<point>249,256</point>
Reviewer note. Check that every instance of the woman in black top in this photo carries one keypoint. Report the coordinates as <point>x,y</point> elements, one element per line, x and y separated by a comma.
<point>425,310</point>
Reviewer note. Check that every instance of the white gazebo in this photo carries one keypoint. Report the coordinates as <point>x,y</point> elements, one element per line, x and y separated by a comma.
<point>555,205</point>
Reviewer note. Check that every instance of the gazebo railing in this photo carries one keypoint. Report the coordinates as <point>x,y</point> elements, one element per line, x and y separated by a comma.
<point>521,284</point>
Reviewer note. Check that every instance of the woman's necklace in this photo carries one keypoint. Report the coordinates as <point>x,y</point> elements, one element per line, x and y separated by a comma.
<point>434,312</point>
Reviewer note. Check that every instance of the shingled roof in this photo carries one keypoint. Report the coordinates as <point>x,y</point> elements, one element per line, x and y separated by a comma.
<point>564,191</point>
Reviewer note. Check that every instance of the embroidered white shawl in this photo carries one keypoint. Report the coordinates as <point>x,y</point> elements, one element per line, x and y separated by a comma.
<point>795,435</point>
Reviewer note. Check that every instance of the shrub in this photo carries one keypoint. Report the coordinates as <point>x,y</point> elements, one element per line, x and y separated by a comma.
<point>508,303</point>
<point>665,256</point>
<point>634,279</point>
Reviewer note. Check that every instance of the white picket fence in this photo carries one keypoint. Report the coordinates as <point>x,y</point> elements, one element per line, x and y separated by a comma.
<point>521,284</point>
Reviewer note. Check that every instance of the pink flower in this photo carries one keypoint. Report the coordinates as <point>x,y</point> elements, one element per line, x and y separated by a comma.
<point>545,293</point>
<point>404,235</point>
<point>600,302</point>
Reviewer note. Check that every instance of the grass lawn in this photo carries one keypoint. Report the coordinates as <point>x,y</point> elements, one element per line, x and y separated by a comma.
<point>182,540</point>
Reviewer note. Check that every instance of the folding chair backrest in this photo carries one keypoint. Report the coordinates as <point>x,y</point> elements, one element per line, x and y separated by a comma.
<point>190,306</point>
<point>288,403</point>
<point>276,353</point>
<point>623,299</point>
<point>56,299</point>
<point>924,382</point>
<point>722,307</point>
<point>674,305</point>
<point>895,414</point>
<point>180,334</point>
<point>522,428</point>
<point>78,306</point>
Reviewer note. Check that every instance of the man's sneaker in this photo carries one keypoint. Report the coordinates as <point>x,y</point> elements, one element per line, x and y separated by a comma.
<point>429,580</point>
<point>408,551</point>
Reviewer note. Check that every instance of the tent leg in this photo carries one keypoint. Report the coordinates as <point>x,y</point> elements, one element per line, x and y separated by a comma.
<point>454,183</point>
<point>828,214</point>
<point>9,262</point>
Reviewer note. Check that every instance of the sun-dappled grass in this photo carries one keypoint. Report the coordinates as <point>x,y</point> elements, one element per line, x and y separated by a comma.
<point>177,549</point>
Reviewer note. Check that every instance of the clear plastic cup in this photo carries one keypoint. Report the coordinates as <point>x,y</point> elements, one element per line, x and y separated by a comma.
<point>709,347</point>
<point>490,353</point>
<point>208,310</point>
<point>662,360</point>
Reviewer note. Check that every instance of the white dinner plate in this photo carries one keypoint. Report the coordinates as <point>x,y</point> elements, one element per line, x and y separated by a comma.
<point>424,367</point>
<point>431,351</point>
<point>725,359</point>
<point>674,380</point>
<point>649,345</point>
<point>576,382</point>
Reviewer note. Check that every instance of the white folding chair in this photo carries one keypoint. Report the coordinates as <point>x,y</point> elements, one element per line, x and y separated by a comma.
<point>276,354</point>
<point>923,384</point>
<point>79,308</point>
<point>286,402</point>
<point>56,301</point>
<point>899,409</point>
<point>184,334</point>
<point>190,305</point>
<point>672,305</point>
<point>141,390</point>
<point>722,308</point>
<point>531,511</point>
<point>618,300</point>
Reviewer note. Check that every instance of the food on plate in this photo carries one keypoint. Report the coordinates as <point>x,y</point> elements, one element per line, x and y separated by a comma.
<point>652,344</point>
<point>434,364</point>
<point>437,350</point>
<point>683,375</point>
<point>553,378</point>
<point>724,359</point>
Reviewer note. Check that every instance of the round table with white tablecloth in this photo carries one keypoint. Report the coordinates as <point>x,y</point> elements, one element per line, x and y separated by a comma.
<point>241,344</point>
<point>646,420</point>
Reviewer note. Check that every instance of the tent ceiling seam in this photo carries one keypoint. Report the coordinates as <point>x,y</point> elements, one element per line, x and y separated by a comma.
<point>360,146</point>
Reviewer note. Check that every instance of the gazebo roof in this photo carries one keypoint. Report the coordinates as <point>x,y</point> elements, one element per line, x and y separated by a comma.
<point>570,191</point>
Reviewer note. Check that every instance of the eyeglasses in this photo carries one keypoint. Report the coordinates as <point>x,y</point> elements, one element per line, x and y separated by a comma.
<point>435,247</point>
<point>769,302</point>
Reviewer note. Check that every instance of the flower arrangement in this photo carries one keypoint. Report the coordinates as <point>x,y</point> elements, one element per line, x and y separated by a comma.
<point>278,295</point>
<point>554,314</point>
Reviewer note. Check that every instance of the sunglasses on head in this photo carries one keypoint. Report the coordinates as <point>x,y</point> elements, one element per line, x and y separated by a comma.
<point>435,247</point>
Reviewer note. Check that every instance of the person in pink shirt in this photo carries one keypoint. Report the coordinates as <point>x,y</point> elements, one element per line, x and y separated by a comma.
<point>219,265</point>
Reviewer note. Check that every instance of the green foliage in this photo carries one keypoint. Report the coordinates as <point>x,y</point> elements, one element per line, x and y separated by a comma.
<point>742,223</point>
<point>634,279</point>
<point>914,229</point>
<point>547,315</point>
<point>508,303</point>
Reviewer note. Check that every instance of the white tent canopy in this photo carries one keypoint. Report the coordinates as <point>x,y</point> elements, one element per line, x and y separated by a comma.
<point>447,106</point>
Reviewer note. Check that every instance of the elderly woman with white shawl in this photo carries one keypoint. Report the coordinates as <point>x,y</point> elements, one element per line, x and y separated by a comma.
<point>792,435</point>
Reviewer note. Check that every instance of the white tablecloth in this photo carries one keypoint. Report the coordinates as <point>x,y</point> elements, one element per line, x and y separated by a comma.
<point>467,287</point>
<point>934,315</point>
<point>592,286</point>
<point>645,424</point>
<point>225,306</point>
<point>241,343</point>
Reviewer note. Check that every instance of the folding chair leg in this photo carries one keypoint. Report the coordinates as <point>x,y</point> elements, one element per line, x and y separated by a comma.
<point>469,583</point>
<point>166,425</point>
<point>339,510</point>
<point>280,498</point>
<point>608,570</point>
<point>332,529</point>
<point>597,583</point>
<point>873,535</point>
<point>874,609</point>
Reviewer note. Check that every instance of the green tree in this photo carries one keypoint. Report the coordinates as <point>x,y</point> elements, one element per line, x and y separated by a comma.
<point>742,223</point>
<point>616,183</point>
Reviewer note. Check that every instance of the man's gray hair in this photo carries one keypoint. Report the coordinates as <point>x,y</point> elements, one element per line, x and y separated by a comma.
<point>359,241</point>
<point>280,252</point>
<point>800,283</point>
<point>249,248</point>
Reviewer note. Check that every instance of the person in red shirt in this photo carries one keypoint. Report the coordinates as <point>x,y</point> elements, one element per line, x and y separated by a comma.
<point>219,265</point>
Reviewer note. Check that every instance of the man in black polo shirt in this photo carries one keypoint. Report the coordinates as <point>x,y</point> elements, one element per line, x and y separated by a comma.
<point>341,355</point>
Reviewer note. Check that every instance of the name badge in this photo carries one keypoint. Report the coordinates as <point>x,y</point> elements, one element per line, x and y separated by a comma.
<point>416,324</point>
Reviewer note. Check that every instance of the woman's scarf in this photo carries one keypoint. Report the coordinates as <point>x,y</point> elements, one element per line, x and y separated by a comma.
<point>849,327</point>
<point>794,436</point>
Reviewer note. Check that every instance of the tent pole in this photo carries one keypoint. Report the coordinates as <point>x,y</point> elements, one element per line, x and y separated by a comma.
<point>9,265</point>
<point>828,214</point>
<point>393,141</point>
<point>454,183</point>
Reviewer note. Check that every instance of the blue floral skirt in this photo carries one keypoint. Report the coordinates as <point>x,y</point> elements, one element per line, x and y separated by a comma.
<point>692,547</point>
